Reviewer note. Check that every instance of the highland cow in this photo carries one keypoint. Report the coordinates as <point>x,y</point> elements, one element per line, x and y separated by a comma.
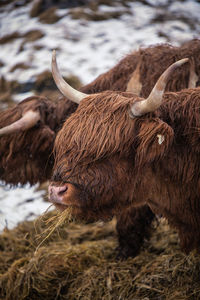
<point>26,145</point>
<point>26,154</point>
<point>139,71</point>
<point>120,154</point>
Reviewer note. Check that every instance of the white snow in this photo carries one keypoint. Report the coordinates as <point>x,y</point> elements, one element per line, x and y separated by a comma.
<point>19,204</point>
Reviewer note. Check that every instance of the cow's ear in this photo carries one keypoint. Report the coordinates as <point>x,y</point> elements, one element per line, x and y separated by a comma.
<point>153,141</point>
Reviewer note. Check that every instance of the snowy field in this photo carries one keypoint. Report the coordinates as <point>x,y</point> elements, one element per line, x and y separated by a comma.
<point>85,49</point>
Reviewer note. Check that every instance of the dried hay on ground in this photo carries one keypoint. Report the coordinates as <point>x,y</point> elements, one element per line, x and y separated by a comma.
<point>78,261</point>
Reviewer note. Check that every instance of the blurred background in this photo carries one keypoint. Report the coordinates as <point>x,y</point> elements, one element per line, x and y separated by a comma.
<point>90,37</point>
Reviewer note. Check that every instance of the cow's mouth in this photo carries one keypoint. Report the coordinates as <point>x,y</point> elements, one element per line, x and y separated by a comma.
<point>63,207</point>
<point>63,196</point>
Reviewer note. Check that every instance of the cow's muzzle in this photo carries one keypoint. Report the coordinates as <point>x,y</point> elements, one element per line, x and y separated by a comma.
<point>63,196</point>
<point>56,193</point>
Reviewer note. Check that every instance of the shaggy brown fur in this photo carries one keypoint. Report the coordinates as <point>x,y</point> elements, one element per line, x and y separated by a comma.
<point>112,163</point>
<point>24,158</point>
<point>105,118</point>
<point>133,226</point>
<point>153,60</point>
<point>27,156</point>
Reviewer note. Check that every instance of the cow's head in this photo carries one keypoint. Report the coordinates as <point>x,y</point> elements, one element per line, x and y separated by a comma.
<point>27,134</point>
<point>104,145</point>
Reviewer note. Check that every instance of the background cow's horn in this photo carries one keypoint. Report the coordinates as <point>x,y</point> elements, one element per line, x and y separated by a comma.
<point>29,119</point>
<point>155,98</point>
<point>63,86</point>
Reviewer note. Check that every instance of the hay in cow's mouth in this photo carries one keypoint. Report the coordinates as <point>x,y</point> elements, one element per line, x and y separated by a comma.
<point>53,223</point>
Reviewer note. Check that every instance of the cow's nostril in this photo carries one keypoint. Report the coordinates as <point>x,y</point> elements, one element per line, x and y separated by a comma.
<point>62,190</point>
<point>56,193</point>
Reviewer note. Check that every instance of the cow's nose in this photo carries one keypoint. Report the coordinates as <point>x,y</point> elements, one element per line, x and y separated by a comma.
<point>56,193</point>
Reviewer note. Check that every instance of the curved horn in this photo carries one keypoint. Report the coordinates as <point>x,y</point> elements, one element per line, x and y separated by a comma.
<point>155,98</point>
<point>29,119</point>
<point>62,85</point>
<point>193,78</point>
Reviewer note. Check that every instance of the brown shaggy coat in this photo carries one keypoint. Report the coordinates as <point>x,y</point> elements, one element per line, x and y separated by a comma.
<point>26,157</point>
<point>153,61</point>
<point>115,165</point>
